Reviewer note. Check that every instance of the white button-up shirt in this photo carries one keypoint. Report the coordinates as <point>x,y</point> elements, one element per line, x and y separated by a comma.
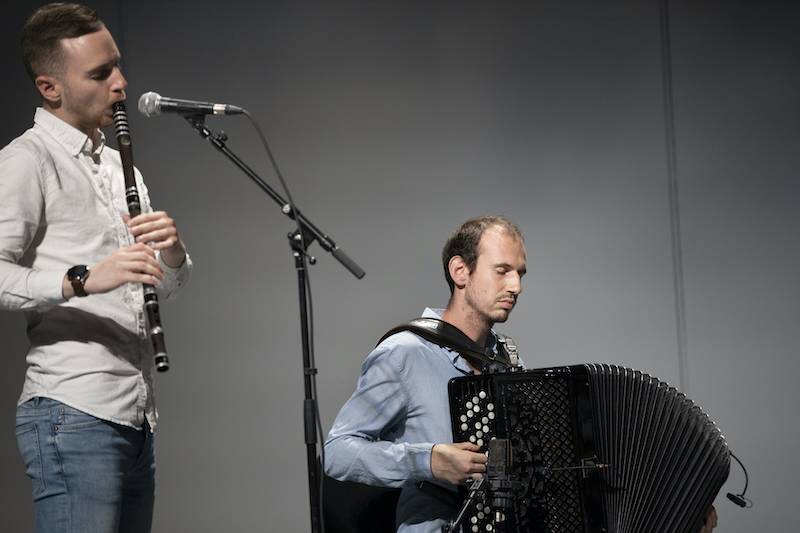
<point>61,205</point>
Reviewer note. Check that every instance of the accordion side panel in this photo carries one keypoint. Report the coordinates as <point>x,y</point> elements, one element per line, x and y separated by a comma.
<point>593,448</point>
<point>535,413</point>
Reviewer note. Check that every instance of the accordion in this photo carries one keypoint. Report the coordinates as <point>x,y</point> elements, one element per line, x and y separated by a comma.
<point>590,448</point>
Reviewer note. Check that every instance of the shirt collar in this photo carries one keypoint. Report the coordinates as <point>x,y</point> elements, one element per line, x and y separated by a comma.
<point>73,140</point>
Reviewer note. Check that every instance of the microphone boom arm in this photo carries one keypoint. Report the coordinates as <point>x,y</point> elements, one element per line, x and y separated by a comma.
<point>310,233</point>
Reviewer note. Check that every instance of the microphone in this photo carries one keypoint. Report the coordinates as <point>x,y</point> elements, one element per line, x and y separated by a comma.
<point>152,104</point>
<point>501,486</point>
<point>737,499</point>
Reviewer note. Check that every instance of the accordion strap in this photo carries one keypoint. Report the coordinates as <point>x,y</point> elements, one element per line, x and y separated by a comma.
<point>440,332</point>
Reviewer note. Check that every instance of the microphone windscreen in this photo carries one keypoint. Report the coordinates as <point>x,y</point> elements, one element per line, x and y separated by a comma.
<point>149,104</point>
<point>498,458</point>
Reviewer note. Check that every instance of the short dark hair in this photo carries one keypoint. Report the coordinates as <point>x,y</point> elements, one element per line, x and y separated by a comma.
<point>465,240</point>
<point>40,44</point>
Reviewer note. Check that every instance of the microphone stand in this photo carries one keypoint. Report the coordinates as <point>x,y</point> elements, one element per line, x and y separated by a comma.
<point>478,488</point>
<point>299,241</point>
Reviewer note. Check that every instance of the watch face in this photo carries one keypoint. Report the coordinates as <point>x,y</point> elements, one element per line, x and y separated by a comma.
<point>77,272</point>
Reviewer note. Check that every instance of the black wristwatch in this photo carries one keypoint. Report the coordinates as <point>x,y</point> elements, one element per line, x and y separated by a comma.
<point>77,275</point>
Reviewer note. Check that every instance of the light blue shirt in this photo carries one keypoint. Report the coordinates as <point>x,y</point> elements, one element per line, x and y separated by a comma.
<point>385,432</point>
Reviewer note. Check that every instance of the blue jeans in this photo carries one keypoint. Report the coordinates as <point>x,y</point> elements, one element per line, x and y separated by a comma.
<point>89,476</point>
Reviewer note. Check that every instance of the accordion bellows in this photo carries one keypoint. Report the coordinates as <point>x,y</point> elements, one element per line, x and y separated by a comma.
<point>593,448</point>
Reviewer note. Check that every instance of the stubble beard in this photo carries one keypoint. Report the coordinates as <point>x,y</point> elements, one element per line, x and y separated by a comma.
<point>489,317</point>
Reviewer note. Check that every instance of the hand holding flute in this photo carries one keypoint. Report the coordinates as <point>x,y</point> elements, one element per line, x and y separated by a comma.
<point>136,263</point>
<point>158,230</point>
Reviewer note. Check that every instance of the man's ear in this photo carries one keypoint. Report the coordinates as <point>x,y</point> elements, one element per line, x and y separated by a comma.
<point>459,271</point>
<point>51,89</point>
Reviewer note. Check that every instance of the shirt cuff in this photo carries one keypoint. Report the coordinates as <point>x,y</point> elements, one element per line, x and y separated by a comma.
<point>174,278</point>
<point>47,288</point>
<point>420,455</point>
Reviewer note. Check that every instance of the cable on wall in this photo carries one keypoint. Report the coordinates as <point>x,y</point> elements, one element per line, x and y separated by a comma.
<point>672,179</point>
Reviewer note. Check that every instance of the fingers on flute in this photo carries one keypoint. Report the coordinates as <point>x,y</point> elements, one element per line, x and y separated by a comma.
<point>136,263</point>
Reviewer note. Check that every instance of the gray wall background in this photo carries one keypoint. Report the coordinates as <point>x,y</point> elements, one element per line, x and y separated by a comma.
<point>393,122</point>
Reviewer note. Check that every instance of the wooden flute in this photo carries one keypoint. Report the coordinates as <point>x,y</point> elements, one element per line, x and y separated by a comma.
<point>134,209</point>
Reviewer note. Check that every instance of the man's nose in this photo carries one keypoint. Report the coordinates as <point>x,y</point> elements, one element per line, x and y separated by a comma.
<point>119,82</point>
<point>515,284</point>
